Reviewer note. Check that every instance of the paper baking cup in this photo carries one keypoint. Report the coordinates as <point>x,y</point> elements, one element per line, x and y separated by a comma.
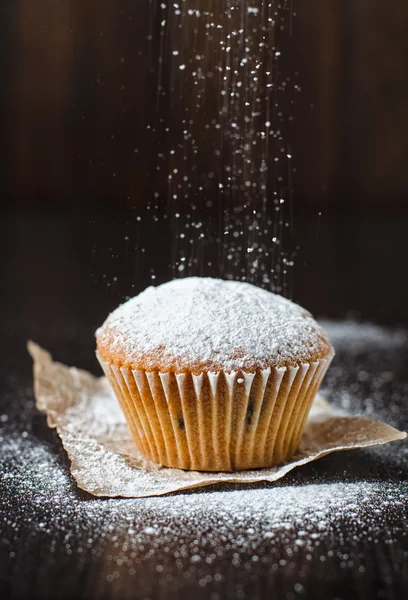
<point>217,421</point>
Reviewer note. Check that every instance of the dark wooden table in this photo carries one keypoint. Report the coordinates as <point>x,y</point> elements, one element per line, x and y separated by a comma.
<point>58,542</point>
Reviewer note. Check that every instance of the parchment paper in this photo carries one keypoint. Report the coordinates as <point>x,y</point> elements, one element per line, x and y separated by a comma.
<point>105,461</point>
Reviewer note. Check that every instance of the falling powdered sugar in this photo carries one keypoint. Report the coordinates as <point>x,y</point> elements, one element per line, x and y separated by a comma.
<point>210,324</point>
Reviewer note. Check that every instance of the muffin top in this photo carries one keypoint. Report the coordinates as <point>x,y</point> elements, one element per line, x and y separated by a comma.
<point>201,324</point>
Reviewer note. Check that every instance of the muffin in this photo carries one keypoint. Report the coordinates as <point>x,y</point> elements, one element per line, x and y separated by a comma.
<point>214,375</point>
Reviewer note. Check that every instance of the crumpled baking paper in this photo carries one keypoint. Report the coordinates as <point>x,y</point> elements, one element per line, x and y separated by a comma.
<point>106,462</point>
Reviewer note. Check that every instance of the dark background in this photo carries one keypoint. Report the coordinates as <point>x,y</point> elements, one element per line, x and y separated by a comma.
<point>76,89</point>
<point>72,113</point>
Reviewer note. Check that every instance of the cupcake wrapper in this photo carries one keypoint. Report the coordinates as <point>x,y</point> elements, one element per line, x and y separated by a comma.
<point>217,421</point>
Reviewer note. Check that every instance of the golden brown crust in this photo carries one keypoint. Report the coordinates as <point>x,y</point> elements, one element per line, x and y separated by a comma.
<point>162,362</point>
<point>200,325</point>
<point>211,387</point>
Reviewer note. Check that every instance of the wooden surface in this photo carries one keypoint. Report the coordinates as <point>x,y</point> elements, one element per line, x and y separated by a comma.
<point>57,542</point>
<point>72,115</point>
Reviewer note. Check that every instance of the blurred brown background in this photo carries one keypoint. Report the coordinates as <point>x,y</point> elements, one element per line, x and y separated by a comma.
<point>76,90</point>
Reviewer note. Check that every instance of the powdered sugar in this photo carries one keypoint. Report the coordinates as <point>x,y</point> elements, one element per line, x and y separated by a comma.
<point>343,516</point>
<point>106,462</point>
<point>210,324</point>
<point>188,538</point>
